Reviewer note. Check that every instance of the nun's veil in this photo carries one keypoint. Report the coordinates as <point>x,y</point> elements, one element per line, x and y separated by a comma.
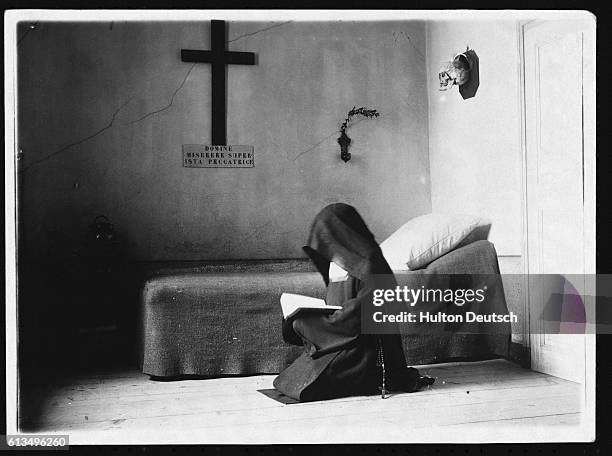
<point>339,234</point>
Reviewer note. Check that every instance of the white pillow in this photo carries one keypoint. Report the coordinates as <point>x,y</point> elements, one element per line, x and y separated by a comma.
<point>423,239</point>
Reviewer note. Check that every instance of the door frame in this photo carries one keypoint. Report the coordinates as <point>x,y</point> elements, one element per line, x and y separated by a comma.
<point>523,144</point>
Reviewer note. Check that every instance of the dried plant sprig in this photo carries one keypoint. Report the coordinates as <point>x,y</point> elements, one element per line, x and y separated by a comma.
<point>365,112</point>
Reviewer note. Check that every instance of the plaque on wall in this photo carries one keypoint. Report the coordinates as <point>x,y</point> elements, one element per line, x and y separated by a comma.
<point>209,156</point>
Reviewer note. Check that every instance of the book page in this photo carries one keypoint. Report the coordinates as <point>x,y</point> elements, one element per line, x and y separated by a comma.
<point>292,303</point>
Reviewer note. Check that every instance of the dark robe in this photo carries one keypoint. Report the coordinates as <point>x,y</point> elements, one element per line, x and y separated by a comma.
<point>338,360</point>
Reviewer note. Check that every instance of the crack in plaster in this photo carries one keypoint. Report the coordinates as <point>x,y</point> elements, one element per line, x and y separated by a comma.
<point>149,114</point>
<point>176,91</point>
<point>258,31</point>
<point>80,141</point>
<point>396,35</point>
<point>316,145</point>
<point>356,122</point>
<point>112,121</point>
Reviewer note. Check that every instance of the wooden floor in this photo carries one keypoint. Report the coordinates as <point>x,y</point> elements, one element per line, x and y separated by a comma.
<point>488,401</point>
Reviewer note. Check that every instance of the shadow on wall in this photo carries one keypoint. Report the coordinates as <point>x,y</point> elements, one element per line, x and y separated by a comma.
<point>77,307</point>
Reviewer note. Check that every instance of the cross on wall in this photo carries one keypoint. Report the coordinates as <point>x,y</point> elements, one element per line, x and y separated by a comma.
<point>218,57</point>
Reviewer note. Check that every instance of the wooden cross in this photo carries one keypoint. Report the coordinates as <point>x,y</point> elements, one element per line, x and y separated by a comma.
<point>219,57</point>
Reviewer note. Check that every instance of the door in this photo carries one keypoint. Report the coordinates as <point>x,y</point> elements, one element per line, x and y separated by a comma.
<point>557,68</point>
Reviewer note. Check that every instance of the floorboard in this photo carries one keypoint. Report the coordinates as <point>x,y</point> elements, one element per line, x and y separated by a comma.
<point>495,399</point>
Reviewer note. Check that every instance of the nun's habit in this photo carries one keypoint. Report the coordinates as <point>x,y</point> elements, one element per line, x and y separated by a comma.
<point>338,360</point>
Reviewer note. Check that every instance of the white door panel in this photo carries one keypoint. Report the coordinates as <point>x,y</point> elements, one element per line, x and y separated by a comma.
<point>554,165</point>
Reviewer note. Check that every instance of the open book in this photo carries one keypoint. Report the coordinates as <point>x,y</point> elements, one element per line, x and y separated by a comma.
<point>291,304</point>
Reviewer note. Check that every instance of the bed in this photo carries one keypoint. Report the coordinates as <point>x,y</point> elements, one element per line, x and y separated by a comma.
<point>213,320</point>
